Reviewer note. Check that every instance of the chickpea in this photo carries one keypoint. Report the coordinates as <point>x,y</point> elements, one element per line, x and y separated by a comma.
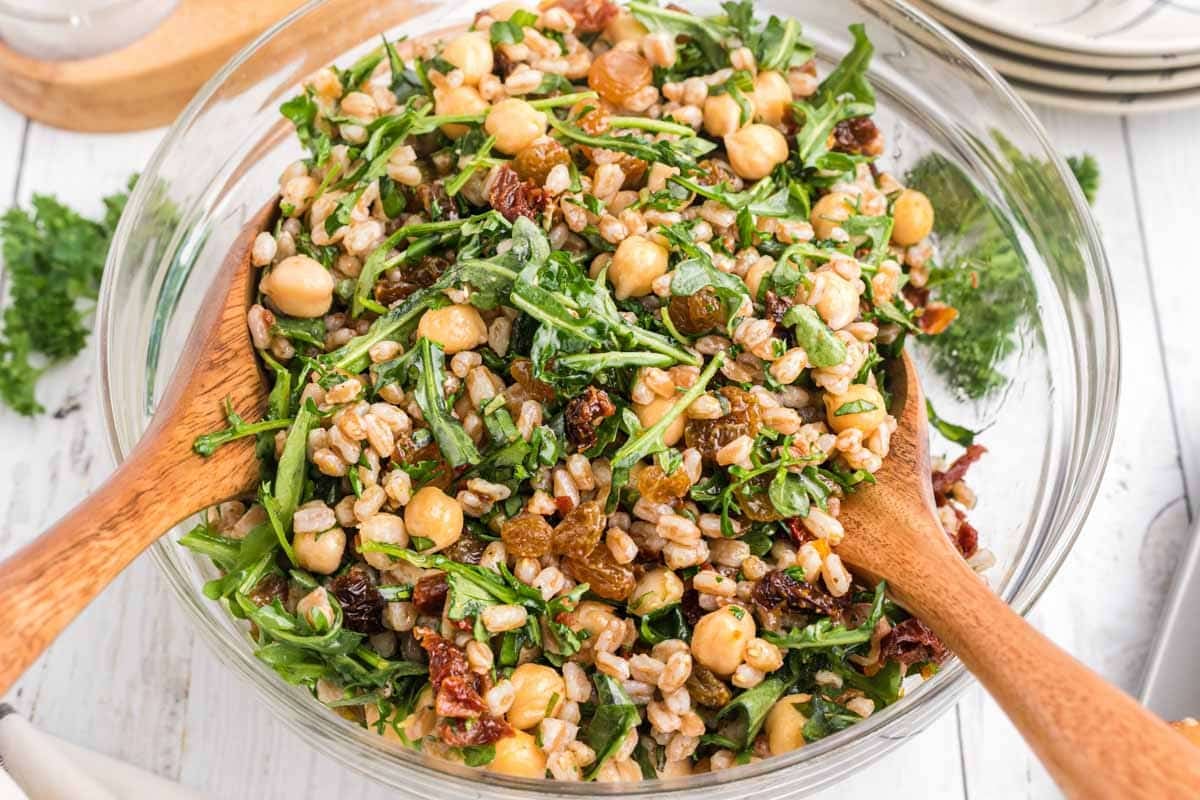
<point>456,328</point>
<point>504,11</point>
<point>653,411</point>
<point>754,276</point>
<point>624,26</point>
<point>385,528</point>
<point>592,617</point>
<point>535,686</point>
<point>785,724</point>
<point>772,97</point>
<point>755,150</point>
<point>635,265</point>
<point>657,589</point>
<point>434,515</point>
<point>830,212</point>
<point>838,304</point>
<point>912,215</point>
<point>315,607</point>
<point>300,287</point>
<point>676,769</point>
<point>518,755</point>
<point>866,421</point>
<point>722,115</point>
<point>320,552</point>
<point>416,725</point>
<point>720,637</point>
<point>515,124</point>
<point>472,53</point>
<point>458,100</point>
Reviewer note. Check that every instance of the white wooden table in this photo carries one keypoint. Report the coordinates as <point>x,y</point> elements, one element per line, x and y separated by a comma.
<point>128,678</point>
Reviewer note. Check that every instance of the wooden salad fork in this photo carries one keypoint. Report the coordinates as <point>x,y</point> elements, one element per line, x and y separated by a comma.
<point>162,482</point>
<point>1095,740</point>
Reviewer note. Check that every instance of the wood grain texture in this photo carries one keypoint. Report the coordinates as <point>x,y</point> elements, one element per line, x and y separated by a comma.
<point>1079,725</point>
<point>54,577</point>
<point>145,84</point>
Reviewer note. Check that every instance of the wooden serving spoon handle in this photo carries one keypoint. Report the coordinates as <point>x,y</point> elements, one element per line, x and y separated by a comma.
<point>50,581</point>
<point>1096,741</point>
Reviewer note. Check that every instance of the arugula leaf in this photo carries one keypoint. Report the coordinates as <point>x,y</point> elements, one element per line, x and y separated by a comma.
<point>452,440</point>
<point>955,433</point>
<point>823,348</point>
<point>845,93</point>
<point>360,70</point>
<point>824,716</point>
<point>750,708</point>
<point>512,30</point>
<point>663,624</point>
<point>615,716</point>
<point>824,633</point>
<point>207,444</point>
<point>478,755</point>
<point>708,34</point>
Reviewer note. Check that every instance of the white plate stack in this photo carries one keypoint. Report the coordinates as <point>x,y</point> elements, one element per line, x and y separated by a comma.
<point>1104,56</point>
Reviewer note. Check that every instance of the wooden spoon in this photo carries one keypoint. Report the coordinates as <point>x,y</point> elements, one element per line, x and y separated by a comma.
<point>1096,741</point>
<point>50,581</point>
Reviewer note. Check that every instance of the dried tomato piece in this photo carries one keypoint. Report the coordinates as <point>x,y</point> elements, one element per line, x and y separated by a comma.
<point>445,660</point>
<point>578,534</point>
<point>966,538</point>
<point>514,197</point>
<point>710,435</point>
<point>798,533</point>
<point>591,16</point>
<point>429,594</point>
<point>912,642</point>
<point>658,487</point>
<point>697,313</point>
<point>777,589</point>
<point>917,296</point>
<point>858,136</point>
<point>601,572</point>
<point>362,604</point>
<point>943,482</point>
<point>269,589</point>
<point>458,696</point>
<point>527,536</point>
<point>485,730</point>
<point>584,413</point>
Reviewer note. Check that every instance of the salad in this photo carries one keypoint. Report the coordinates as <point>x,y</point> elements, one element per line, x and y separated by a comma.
<point>577,323</point>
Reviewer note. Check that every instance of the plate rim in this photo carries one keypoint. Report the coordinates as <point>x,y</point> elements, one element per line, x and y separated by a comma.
<point>1115,82</point>
<point>998,22</point>
<point>1108,104</point>
<point>971,30</point>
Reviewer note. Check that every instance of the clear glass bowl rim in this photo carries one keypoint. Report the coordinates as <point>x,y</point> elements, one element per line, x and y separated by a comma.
<point>862,742</point>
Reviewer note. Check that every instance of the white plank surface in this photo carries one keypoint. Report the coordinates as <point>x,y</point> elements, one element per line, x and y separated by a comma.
<point>128,680</point>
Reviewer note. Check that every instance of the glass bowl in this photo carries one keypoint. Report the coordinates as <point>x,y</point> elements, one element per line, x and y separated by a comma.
<point>953,127</point>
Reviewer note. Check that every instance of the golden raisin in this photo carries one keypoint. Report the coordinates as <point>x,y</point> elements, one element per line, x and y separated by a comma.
<point>707,689</point>
<point>658,487</point>
<point>710,435</point>
<point>595,122</point>
<point>618,75</point>
<point>697,313</point>
<point>601,572</point>
<point>527,536</point>
<point>579,532</point>
<point>755,502</point>
<point>535,161</point>
<point>522,372</point>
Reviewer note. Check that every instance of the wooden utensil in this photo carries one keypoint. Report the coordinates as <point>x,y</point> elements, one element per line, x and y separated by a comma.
<point>50,581</point>
<point>1095,740</point>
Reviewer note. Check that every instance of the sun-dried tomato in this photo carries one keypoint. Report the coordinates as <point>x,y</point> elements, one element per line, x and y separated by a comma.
<point>458,696</point>
<point>799,534</point>
<point>429,594</point>
<point>514,197</point>
<point>269,589</point>
<point>584,413</point>
<point>485,730</point>
<point>966,538</point>
<point>777,589</point>
<point>911,642</point>
<point>858,136</point>
<point>362,604</point>
<point>917,296</point>
<point>943,482</point>
<point>591,16</point>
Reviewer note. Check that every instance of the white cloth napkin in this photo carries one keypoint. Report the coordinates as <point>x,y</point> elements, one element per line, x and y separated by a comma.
<point>37,766</point>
